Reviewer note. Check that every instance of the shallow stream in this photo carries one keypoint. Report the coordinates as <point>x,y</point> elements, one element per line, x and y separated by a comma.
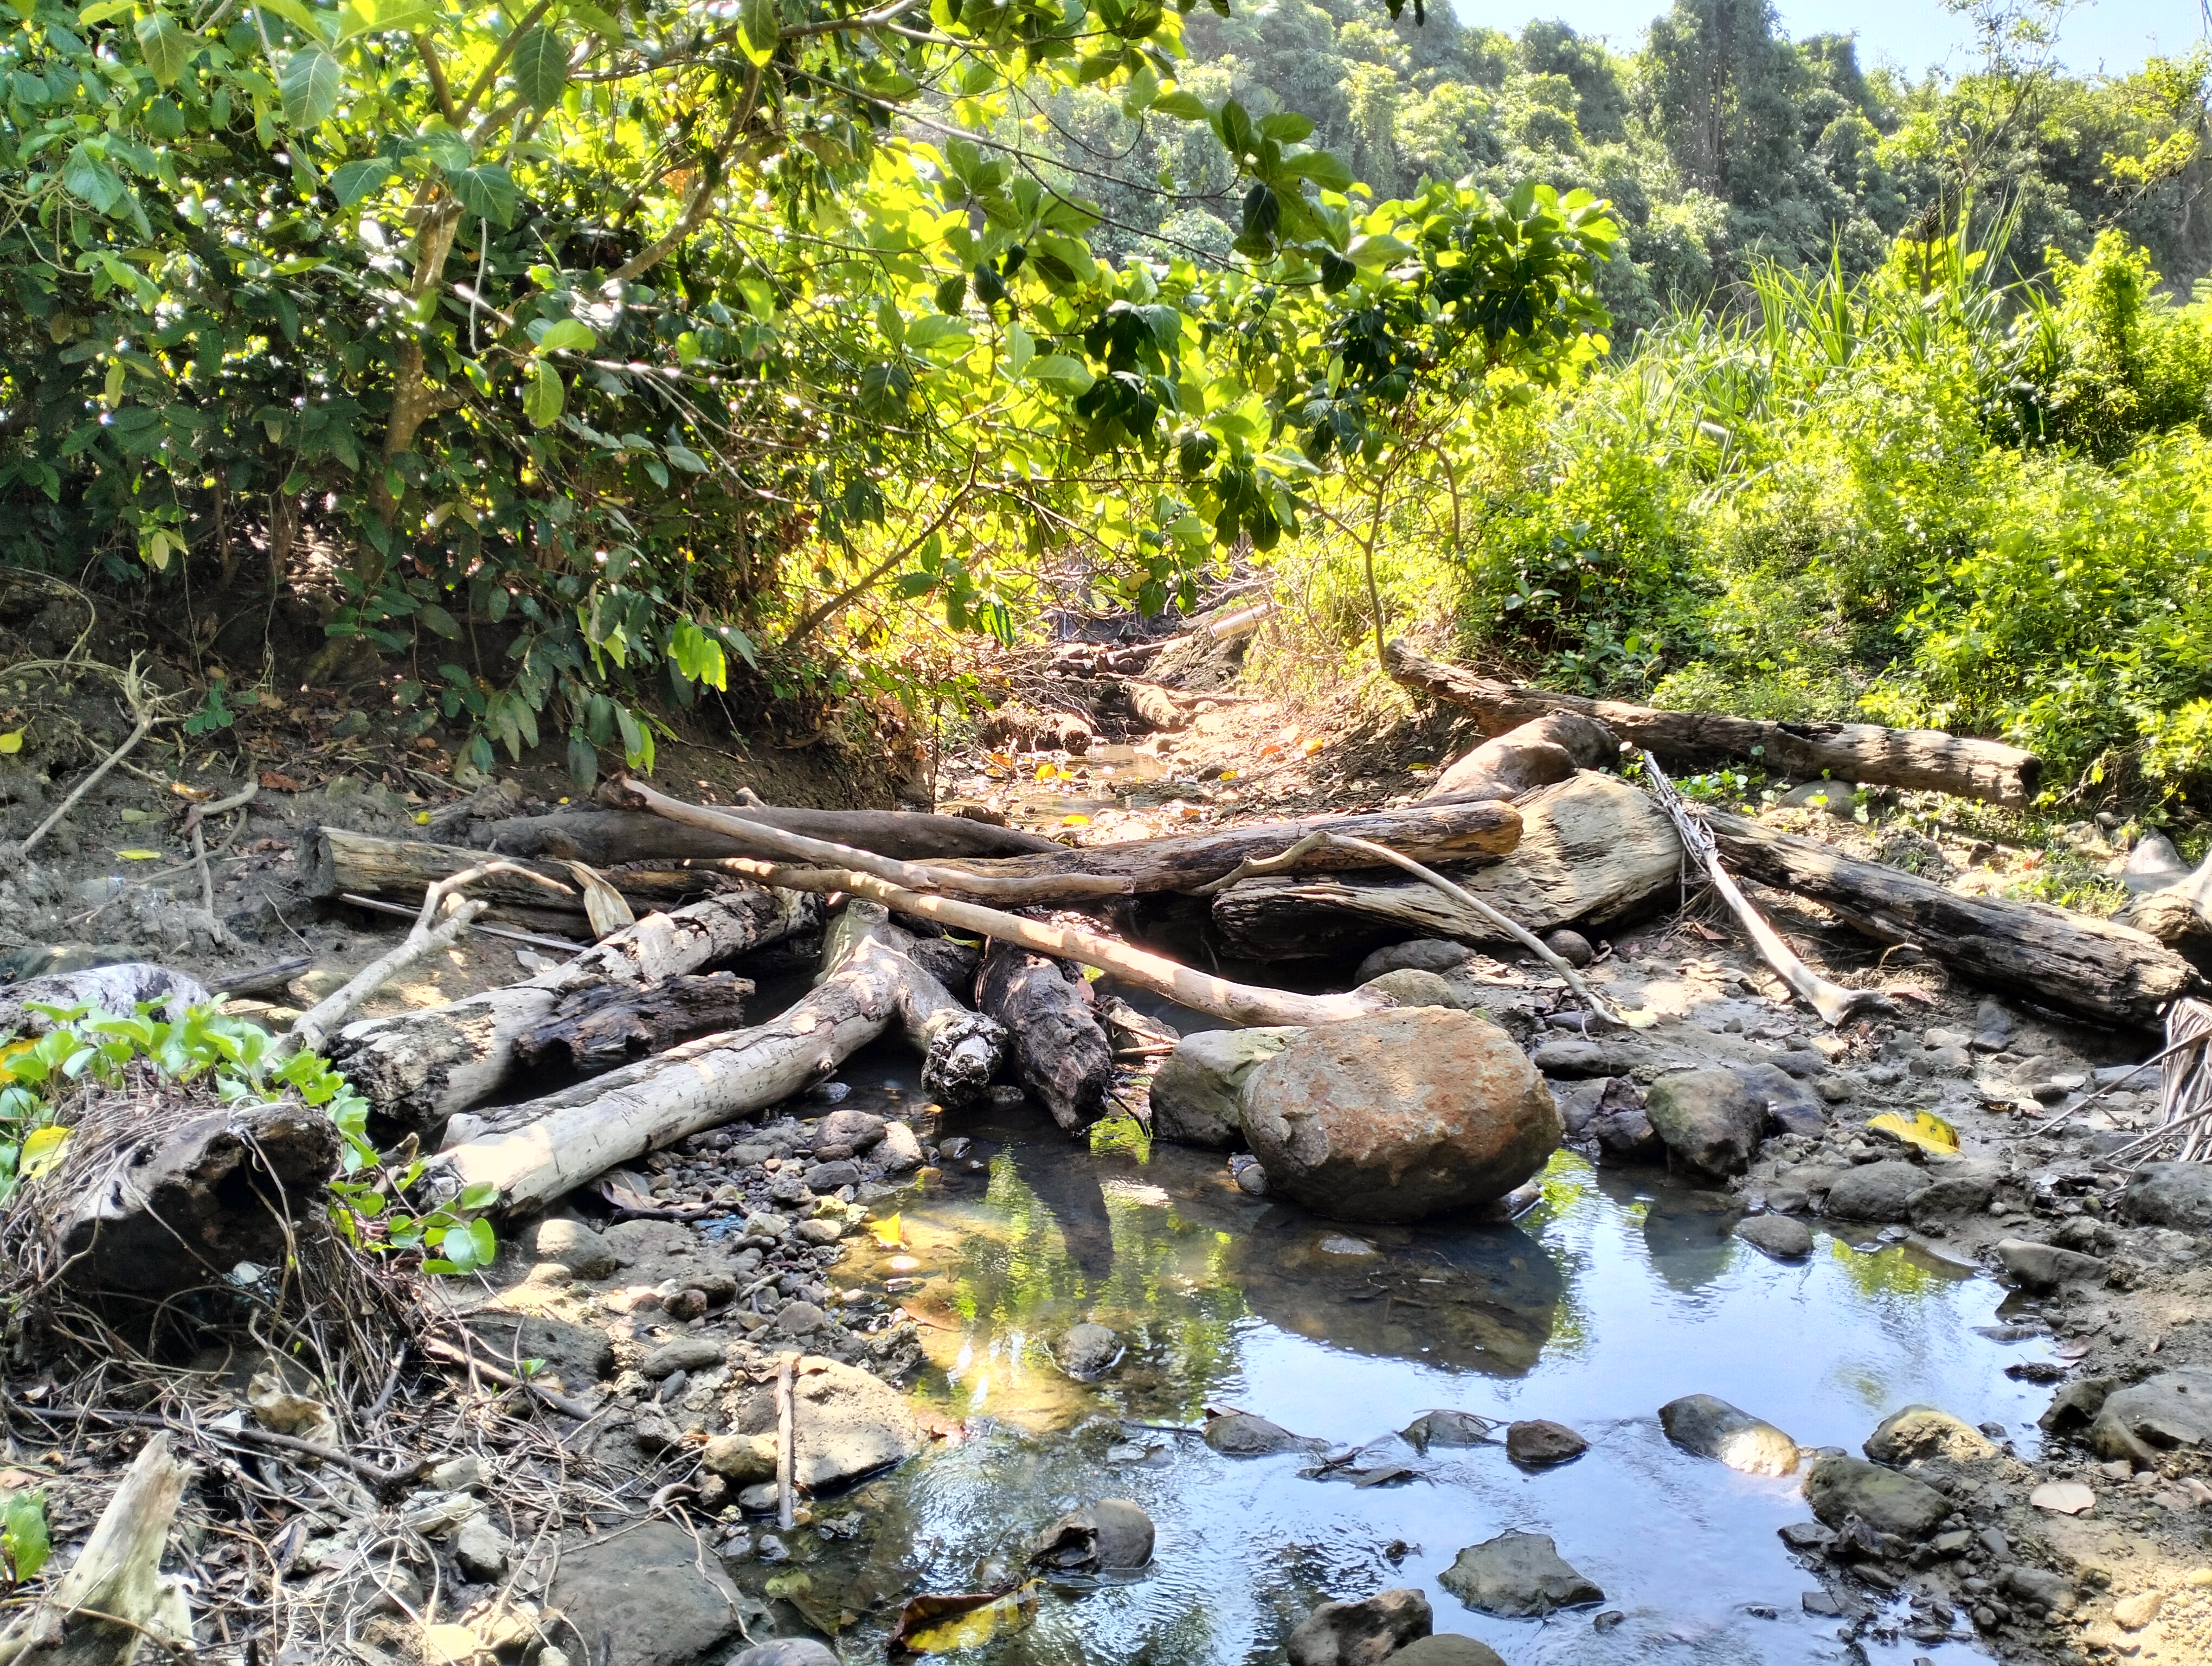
<point>1618,1293</point>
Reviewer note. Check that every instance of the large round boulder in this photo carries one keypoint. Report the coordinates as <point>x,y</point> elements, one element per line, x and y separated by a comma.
<point>1406,1114</point>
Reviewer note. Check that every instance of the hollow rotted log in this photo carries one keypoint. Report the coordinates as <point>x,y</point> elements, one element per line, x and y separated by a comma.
<point>2050,956</point>
<point>606,838</point>
<point>607,1024</point>
<point>1060,1047</point>
<point>1926,758</point>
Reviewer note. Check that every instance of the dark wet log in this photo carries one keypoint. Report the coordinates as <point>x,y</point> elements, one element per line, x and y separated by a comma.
<point>605,1025</point>
<point>1060,1047</point>
<point>333,862</point>
<point>1593,851</point>
<point>535,1152</point>
<point>418,1068</point>
<point>604,837</point>
<point>1925,758</point>
<point>2051,956</point>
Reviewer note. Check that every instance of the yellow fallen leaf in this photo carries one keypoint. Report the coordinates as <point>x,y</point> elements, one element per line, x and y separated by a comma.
<point>1075,821</point>
<point>12,741</point>
<point>140,856</point>
<point>1313,745</point>
<point>42,1152</point>
<point>1641,1018</point>
<point>887,1233</point>
<point>1228,775</point>
<point>422,818</point>
<point>922,1633</point>
<point>1923,1129</point>
<point>196,794</point>
<point>1419,769</point>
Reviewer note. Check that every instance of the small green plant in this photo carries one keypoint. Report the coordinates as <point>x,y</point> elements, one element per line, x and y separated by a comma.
<point>24,1543</point>
<point>214,711</point>
<point>370,1201</point>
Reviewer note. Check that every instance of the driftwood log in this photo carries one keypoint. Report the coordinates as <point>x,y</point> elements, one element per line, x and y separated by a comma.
<point>114,989</point>
<point>418,1068</point>
<point>2052,957</point>
<point>608,1024</point>
<point>535,1152</point>
<point>113,1598</point>
<point>1595,851</point>
<point>1926,758</point>
<point>607,838</point>
<point>1060,1048</point>
<point>1538,753</point>
<point>333,862</point>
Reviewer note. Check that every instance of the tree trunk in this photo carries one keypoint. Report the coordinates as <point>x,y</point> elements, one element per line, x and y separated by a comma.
<point>418,1068</point>
<point>2048,955</point>
<point>1594,851</point>
<point>535,1152</point>
<point>1024,729</point>
<point>116,1576</point>
<point>333,862</point>
<point>608,1024</point>
<point>1537,754</point>
<point>116,990</point>
<point>604,837</point>
<point>1926,758</point>
<point>1060,1048</point>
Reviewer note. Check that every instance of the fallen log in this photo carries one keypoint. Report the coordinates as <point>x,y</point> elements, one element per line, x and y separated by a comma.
<point>115,989</point>
<point>534,1152</point>
<point>608,1024</point>
<point>333,862</point>
<point>1023,728</point>
<point>1925,759</point>
<point>1593,851</point>
<point>2050,956</point>
<point>1060,1047</point>
<point>610,838</point>
<point>1538,753</point>
<point>418,1068</point>
<point>113,1598</point>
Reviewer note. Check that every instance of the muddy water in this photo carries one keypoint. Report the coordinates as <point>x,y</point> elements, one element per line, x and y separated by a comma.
<point>1616,1294</point>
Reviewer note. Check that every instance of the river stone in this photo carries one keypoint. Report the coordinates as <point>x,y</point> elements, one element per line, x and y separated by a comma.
<point>855,1130</point>
<point>1516,1575</point>
<point>1114,1536</point>
<point>1880,1191</point>
<point>2177,1194</point>
<point>1572,1056</point>
<point>828,1177</point>
<point>1947,1196</point>
<point>1539,1442</point>
<point>2045,1266</point>
<point>1409,988</point>
<point>1195,1096</point>
<point>684,1353</point>
<point>574,1246</point>
<point>1710,1121</point>
<point>1700,1423</point>
<point>2153,865</point>
<point>1838,1487</point>
<point>1408,1114</point>
<point>1240,1434</point>
<point>1447,1649</point>
<point>900,1149</point>
<point>1424,954</point>
<point>744,1459</point>
<point>1571,946</point>
<point>1625,1135</point>
<point>800,1318</point>
<point>2169,1412</point>
<point>650,1589</point>
<point>481,1549</point>
<point>1447,1428</point>
<point>845,1422</point>
<point>787,1651</point>
<point>1363,1633</point>
<point>1778,1236</point>
<point>1923,1432</point>
<point>1791,1106</point>
<point>1087,1352</point>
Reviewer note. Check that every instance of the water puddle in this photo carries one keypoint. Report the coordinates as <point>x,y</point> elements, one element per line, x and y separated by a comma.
<point>1617,1293</point>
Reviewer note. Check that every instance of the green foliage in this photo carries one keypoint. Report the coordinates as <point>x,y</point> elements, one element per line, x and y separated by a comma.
<point>25,1544</point>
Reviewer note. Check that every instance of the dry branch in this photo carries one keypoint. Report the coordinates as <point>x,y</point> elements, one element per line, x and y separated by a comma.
<point>117,1578</point>
<point>610,837</point>
<point>336,863</point>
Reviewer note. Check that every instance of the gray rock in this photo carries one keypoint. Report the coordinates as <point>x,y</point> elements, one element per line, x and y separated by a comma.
<point>1993,1028</point>
<point>1240,1434</point>
<point>2176,1194</point>
<point>1196,1094</point>
<point>1802,1062</point>
<point>651,1589</point>
<point>1516,1575</point>
<point>1836,797</point>
<point>2045,1266</point>
<point>1626,1136</point>
<point>1778,1236</point>
<point>900,1149</point>
<point>685,1354</point>
<point>787,1651</point>
<point>2168,1413</point>
<point>2038,1585</point>
<point>846,1423</point>
<point>1410,1113</point>
<point>1947,1196</point>
<point>1923,1432</point>
<point>801,1319</point>
<point>1571,946</point>
<point>1700,1423</point>
<point>855,1130</point>
<point>1447,1649</point>
<point>579,1355</point>
<point>1448,1428</point>
<point>828,1177</point>
<point>1363,1633</point>
<point>822,1229</point>
<point>1424,954</point>
<point>1409,988</point>
<point>1539,1442</point>
<point>1113,1535</point>
<point>2153,865</point>
<point>1838,1487</point>
<point>1087,1352</point>
<point>1710,1120</point>
<point>482,1550</point>
<point>1876,1191</point>
<point>2075,1406</point>
<point>575,1246</point>
<point>1575,1057</point>
<point>1791,1106</point>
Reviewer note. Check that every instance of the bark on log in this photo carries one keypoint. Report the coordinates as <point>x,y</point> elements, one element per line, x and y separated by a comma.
<point>1926,758</point>
<point>114,989</point>
<point>333,860</point>
<point>1537,754</point>
<point>599,1028</point>
<point>609,837</point>
<point>1060,1047</point>
<point>117,1578</point>
<point>2048,955</point>
<point>535,1152</point>
<point>1025,729</point>
<point>418,1068</point>
<point>1594,851</point>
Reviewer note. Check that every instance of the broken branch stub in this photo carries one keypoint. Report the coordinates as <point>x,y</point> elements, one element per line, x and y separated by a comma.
<point>114,1596</point>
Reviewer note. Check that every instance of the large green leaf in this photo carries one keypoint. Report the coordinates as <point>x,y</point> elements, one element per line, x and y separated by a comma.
<point>351,181</point>
<point>1062,373</point>
<point>760,23</point>
<point>543,395</point>
<point>308,85</point>
<point>88,176</point>
<point>567,336</point>
<point>1324,168</point>
<point>163,46</point>
<point>486,191</point>
<point>540,65</point>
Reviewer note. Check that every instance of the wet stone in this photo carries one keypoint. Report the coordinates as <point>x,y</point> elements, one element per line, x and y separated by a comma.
<point>1791,1106</point>
<point>900,1150</point>
<point>1777,1235</point>
<point>787,1651</point>
<point>1838,1487</point>
<point>1114,1536</point>
<point>1708,1428</point>
<point>1538,1444</point>
<point>1448,1428</point>
<point>1880,1192</point>
<point>2045,1266</point>
<point>1711,1123</point>
<point>1240,1434</point>
<point>1516,1575</point>
<point>1086,1351</point>
<point>1362,1633</point>
<point>1194,1097</point>
<point>1447,1649</point>
<point>1809,1537</point>
<point>855,1130</point>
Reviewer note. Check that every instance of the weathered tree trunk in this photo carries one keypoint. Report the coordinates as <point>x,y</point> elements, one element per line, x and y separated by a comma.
<point>1594,851</point>
<point>2048,955</point>
<point>418,1068</point>
<point>1550,749</point>
<point>333,862</point>
<point>1926,758</point>
<point>536,1151</point>
<point>1025,729</point>
<point>117,1578</point>
<point>610,1024</point>
<point>114,989</point>
<point>1157,708</point>
<point>605,837</point>
<point>1060,1047</point>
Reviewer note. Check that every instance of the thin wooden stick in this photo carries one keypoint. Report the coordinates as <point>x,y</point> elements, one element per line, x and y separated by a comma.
<point>148,715</point>
<point>787,1440</point>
